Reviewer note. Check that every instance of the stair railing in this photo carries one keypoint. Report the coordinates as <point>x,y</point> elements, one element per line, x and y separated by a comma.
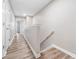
<point>47,37</point>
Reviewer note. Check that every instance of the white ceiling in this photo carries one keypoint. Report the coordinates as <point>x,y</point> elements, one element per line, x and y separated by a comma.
<point>28,7</point>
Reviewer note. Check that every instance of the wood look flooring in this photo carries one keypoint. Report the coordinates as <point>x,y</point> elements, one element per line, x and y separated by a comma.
<point>54,53</point>
<point>19,49</point>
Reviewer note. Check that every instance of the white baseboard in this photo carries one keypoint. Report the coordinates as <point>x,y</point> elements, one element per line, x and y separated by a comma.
<point>4,54</point>
<point>61,49</point>
<point>12,38</point>
<point>10,42</point>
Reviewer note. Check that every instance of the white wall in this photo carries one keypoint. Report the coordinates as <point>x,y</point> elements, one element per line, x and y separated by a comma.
<point>30,30</point>
<point>32,35</point>
<point>25,22</point>
<point>8,25</point>
<point>59,16</point>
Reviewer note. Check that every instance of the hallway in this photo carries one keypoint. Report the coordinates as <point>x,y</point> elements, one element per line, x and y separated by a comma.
<point>19,49</point>
<point>39,29</point>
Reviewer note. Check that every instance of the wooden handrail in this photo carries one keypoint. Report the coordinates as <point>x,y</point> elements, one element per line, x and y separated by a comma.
<point>47,37</point>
